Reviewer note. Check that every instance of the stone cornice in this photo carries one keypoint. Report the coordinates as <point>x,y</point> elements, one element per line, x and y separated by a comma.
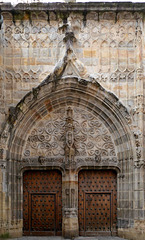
<point>90,6</point>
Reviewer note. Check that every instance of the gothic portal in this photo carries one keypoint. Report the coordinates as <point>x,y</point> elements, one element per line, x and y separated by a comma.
<point>72,120</point>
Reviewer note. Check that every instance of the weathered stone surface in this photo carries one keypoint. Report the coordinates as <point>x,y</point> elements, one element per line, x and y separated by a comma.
<point>72,98</point>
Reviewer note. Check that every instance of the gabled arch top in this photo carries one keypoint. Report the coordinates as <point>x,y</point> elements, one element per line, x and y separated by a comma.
<point>70,85</point>
<point>76,92</point>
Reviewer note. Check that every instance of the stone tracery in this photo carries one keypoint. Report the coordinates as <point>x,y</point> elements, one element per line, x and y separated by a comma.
<point>91,137</point>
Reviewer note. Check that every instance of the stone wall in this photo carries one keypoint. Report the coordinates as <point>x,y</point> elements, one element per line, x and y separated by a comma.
<point>95,44</point>
<point>109,44</point>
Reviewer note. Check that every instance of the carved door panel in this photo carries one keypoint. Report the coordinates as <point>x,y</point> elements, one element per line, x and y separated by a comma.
<point>42,210</point>
<point>97,202</point>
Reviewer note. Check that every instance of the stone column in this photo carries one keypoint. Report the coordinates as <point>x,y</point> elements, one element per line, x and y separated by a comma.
<point>70,182</point>
<point>70,205</point>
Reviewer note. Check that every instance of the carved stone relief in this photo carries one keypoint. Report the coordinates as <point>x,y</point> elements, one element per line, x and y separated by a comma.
<point>70,197</point>
<point>100,30</point>
<point>69,138</point>
<point>73,135</point>
<point>37,40</point>
<point>32,30</point>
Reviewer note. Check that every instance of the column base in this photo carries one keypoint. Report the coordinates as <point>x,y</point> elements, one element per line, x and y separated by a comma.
<point>70,227</point>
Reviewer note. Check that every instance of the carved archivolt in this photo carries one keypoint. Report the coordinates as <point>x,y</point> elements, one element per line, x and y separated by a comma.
<point>91,138</point>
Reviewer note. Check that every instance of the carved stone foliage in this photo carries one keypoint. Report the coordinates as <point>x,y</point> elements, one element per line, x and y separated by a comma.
<point>139,162</point>
<point>91,136</point>
<point>55,136</point>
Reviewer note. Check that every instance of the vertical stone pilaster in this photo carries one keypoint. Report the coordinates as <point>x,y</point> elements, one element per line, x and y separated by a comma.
<point>70,205</point>
<point>70,183</point>
<point>138,176</point>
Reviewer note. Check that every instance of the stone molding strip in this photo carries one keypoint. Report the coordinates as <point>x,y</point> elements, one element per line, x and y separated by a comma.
<point>63,7</point>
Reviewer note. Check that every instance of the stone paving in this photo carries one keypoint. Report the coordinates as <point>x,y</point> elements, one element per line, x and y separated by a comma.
<point>77,238</point>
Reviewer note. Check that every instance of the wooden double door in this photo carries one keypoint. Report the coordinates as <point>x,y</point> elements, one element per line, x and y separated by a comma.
<point>97,202</point>
<point>42,204</point>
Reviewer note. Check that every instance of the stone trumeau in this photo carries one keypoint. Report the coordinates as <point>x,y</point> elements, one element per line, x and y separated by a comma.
<point>72,119</point>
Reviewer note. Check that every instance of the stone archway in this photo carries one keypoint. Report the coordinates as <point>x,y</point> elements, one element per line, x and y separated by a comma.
<point>68,124</point>
<point>70,137</point>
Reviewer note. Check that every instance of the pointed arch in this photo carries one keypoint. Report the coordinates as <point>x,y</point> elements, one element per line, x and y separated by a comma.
<point>51,95</point>
<point>74,91</point>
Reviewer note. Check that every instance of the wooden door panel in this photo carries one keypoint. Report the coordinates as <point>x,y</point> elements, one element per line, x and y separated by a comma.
<point>97,212</point>
<point>97,202</point>
<point>42,210</point>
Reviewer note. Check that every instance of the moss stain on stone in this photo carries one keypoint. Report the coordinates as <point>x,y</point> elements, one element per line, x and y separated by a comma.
<point>5,236</point>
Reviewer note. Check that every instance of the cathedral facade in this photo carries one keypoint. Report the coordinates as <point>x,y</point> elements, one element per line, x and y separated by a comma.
<point>72,120</point>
